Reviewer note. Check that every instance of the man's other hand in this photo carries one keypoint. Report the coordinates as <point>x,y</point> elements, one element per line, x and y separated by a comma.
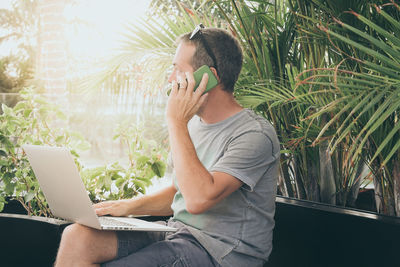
<point>117,208</point>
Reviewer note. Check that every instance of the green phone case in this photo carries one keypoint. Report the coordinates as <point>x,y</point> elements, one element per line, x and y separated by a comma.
<point>198,75</point>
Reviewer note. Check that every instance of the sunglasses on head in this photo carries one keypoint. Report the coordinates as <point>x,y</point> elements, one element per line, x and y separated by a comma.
<point>197,33</point>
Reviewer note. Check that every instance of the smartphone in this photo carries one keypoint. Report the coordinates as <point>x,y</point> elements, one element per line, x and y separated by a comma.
<point>198,75</point>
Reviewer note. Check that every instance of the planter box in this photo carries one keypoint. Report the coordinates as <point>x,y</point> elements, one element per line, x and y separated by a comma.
<point>314,234</point>
<point>306,234</point>
<point>29,240</point>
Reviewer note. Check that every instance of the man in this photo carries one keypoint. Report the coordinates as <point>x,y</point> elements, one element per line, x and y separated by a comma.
<point>225,161</point>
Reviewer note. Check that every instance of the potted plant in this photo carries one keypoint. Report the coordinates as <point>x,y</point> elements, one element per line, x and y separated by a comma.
<point>314,234</point>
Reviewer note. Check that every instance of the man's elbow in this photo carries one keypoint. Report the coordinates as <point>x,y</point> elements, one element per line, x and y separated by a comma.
<point>197,207</point>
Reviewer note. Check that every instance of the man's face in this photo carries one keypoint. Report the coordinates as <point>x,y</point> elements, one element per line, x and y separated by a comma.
<point>182,60</point>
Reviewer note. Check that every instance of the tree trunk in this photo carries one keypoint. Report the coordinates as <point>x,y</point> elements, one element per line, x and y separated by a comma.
<point>327,180</point>
<point>301,193</point>
<point>355,187</point>
<point>385,202</point>
<point>285,183</point>
<point>378,194</point>
<point>311,181</point>
<point>396,187</point>
<point>281,184</point>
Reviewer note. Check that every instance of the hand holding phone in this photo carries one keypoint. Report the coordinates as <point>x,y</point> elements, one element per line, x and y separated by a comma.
<point>198,75</point>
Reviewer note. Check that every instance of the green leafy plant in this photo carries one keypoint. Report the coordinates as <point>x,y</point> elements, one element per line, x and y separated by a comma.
<point>28,122</point>
<point>367,100</point>
<point>146,161</point>
<point>35,120</point>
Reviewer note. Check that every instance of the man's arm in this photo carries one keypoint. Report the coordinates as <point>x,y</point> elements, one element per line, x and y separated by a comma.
<point>157,204</point>
<point>200,188</point>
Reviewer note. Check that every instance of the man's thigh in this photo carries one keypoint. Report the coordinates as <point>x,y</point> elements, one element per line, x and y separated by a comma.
<point>178,252</point>
<point>130,242</point>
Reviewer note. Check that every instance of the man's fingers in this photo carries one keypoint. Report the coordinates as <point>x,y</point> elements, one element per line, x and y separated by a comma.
<point>184,104</point>
<point>100,205</point>
<point>201,100</point>
<point>174,89</point>
<point>102,211</point>
<point>102,208</point>
<point>190,82</point>
<point>202,86</point>
<point>182,84</point>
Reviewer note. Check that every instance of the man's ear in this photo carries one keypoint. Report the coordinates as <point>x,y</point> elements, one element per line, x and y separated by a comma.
<point>214,71</point>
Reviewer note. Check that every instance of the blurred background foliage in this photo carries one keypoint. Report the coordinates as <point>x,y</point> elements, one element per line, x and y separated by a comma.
<point>17,68</point>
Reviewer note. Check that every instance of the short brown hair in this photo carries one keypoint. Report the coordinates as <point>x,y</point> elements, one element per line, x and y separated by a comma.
<point>226,49</point>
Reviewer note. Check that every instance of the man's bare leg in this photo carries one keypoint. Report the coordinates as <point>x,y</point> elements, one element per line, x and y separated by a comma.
<point>84,246</point>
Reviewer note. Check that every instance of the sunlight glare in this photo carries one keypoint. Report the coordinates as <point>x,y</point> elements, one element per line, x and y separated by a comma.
<point>7,4</point>
<point>100,25</point>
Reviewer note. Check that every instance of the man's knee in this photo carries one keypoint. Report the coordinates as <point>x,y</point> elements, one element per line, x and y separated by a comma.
<point>89,244</point>
<point>78,234</point>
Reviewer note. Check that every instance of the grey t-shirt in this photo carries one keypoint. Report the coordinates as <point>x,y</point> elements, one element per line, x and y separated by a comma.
<point>237,231</point>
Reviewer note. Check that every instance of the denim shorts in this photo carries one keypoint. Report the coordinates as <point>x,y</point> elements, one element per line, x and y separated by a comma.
<point>164,249</point>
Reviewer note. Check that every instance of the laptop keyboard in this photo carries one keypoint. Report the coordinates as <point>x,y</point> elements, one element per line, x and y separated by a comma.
<point>112,222</point>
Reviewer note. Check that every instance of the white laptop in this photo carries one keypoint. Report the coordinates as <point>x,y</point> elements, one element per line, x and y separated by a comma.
<point>65,192</point>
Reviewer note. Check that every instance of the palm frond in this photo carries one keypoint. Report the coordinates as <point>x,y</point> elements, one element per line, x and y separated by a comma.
<point>147,47</point>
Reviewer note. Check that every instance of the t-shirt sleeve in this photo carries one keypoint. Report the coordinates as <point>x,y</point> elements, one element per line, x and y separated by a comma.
<point>247,158</point>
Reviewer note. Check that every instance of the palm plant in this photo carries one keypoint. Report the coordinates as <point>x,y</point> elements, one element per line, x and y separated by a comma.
<point>274,55</point>
<point>367,103</point>
<point>281,40</point>
<point>338,182</point>
<point>266,34</point>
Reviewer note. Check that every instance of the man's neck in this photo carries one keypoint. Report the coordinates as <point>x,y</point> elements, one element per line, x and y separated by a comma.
<point>220,105</point>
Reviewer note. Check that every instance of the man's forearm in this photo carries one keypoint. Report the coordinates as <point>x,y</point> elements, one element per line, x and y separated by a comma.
<point>195,182</point>
<point>157,204</point>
